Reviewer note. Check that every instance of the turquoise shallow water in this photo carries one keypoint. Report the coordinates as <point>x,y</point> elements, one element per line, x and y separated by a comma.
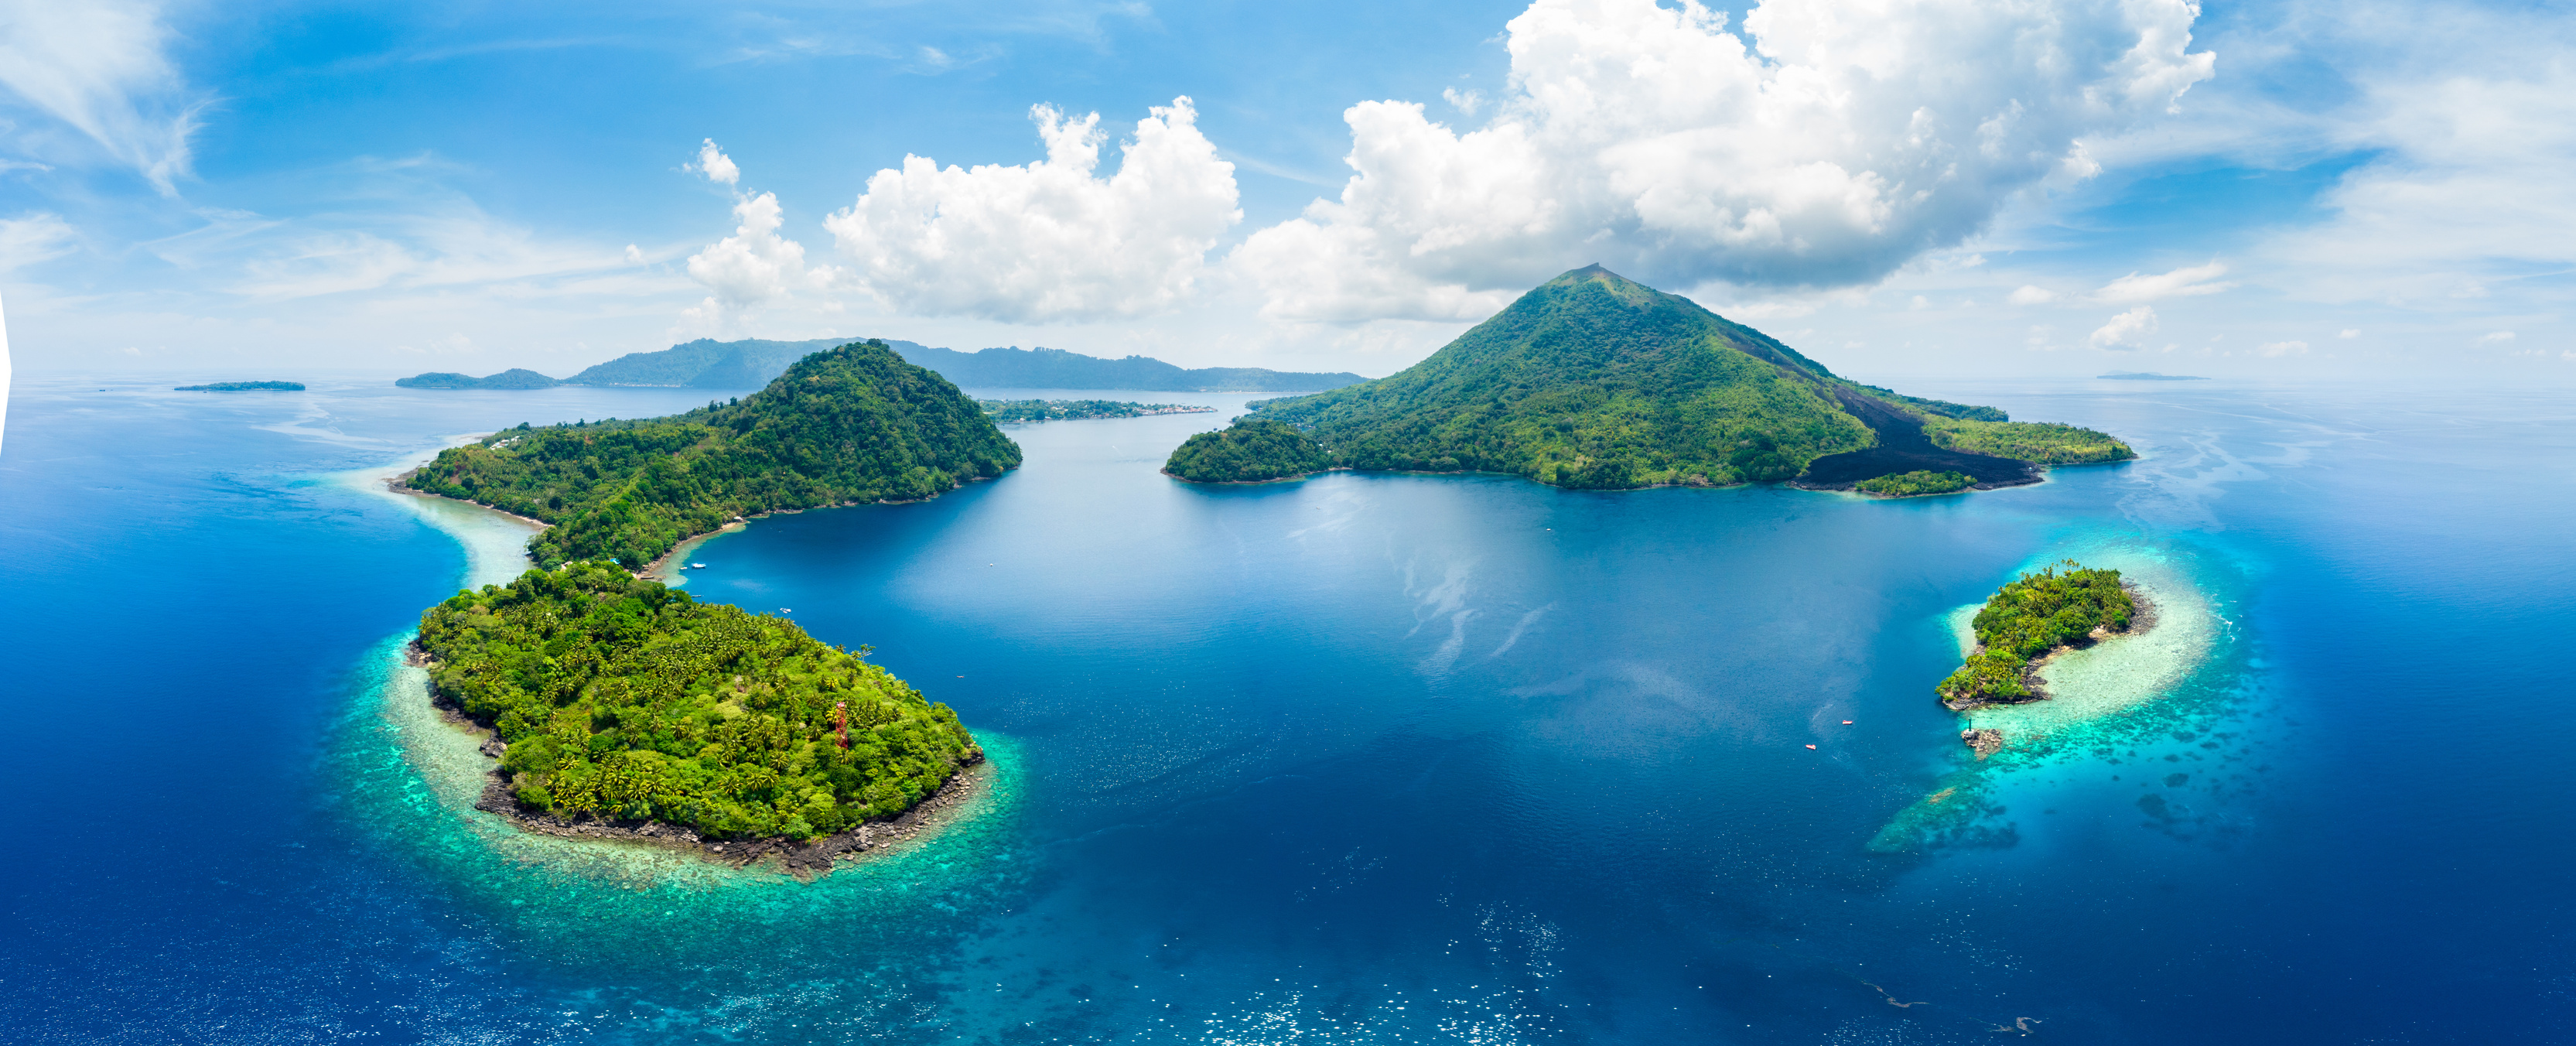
<point>1363,758</point>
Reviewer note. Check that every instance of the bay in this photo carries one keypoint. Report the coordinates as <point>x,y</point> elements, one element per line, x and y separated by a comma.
<point>1359,758</point>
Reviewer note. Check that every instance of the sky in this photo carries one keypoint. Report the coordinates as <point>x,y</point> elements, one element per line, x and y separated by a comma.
<point>1966,188</point>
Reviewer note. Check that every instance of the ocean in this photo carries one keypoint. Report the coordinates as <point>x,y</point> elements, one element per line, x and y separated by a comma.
<point>1363,758</point>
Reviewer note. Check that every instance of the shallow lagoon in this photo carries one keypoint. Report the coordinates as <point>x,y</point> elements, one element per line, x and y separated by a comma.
<point>1362,758</point>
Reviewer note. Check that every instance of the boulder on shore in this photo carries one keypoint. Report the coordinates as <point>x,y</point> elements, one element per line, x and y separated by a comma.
<point>1983,742</point>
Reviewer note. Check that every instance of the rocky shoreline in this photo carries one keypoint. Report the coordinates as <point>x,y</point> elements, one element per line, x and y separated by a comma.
<point>807,860</point>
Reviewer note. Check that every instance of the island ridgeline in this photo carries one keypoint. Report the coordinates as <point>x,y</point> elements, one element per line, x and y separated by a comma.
<point>1595,381</point>
<point>846,425</point>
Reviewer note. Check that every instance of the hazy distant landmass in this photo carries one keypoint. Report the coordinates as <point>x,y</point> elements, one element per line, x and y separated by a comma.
<point>1014,411</point>
<point>513,378</point>
<point>754,362</point>
<point>243,386</point>
<point>2148,375</point>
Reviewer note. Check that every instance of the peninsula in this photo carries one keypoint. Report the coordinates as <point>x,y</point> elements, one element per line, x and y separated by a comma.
<point>624,705</point>
<point>842,426</point>
<point>1594,381</point>
<point>1014,411</point>
<point>2030,618</point>
<point>243,386</point>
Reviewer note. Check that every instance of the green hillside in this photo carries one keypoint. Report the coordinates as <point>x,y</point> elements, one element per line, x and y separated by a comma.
<point>631,701</point>
<point>851,424</point>
<point>1253,450</point>
<point>1595,381</point>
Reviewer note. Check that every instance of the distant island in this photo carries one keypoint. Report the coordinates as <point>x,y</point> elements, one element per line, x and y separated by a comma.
<point>2147,375</point>
<point>755,362</point>
<point>649,709</point>
<point>846,425</point>
<point>514,378</point>
<point>2029,618</point>
<point>1593,381</point>
<point>1014,411</point>
<point>243,386</point>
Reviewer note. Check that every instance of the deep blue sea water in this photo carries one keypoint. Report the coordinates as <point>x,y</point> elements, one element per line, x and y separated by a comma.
<point>1359,759</point>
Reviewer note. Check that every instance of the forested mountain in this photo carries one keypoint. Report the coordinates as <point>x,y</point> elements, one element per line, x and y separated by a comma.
<point>851,424</point>
<point>1592,380</point>
<point>705,364</point>
<point>627,700</point>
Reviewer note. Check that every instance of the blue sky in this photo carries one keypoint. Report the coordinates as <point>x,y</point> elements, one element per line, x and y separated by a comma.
<point>1898,186</point>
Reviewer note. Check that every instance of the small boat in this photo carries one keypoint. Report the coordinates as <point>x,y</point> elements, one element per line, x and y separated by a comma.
<point>1846,722</point>
<point>784,610</point>
<point>1811,748</point>
<point>697,566</point>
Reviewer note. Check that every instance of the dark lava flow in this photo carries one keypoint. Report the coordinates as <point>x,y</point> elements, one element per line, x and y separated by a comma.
<point>1902,447</point>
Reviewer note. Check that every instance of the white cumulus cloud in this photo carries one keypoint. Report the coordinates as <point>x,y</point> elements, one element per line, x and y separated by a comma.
<point>2282,348</point>
<point>751,266</point>
<point>100,66</point>
<point>2027,294</point>
<point>1825,145</point>
<point>1050,240</point>
<point>712,162</point>
<point>2495,337</point>
<point>2125,330</point>
<point>2180,283</point>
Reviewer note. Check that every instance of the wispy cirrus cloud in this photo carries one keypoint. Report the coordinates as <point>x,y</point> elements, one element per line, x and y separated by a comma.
<point>101,67</point>
<point>2180,283</point>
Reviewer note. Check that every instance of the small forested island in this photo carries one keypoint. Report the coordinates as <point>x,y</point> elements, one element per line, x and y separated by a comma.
<point>626,703</point>
<point>1011,411</point>
<point>843,426</point>
<point>1253,450</point>
<point>243,386</point>
<point>1595,381</point>
<point>1915,484</point>
<point>513,378</point>
<point>2030,618</point>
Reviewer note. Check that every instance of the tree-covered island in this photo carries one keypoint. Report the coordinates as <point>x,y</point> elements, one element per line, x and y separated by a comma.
<point>1915,484</point>
<point>1252,450</point>
<point>1595,381</point>
<point>1015,411</point>
<point>627,702</point>
<point>2029,618</point>
<point>847,425</point>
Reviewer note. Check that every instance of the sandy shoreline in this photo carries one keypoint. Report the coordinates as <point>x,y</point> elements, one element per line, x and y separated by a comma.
<point>2142,620</point>
<point>466,762</point>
